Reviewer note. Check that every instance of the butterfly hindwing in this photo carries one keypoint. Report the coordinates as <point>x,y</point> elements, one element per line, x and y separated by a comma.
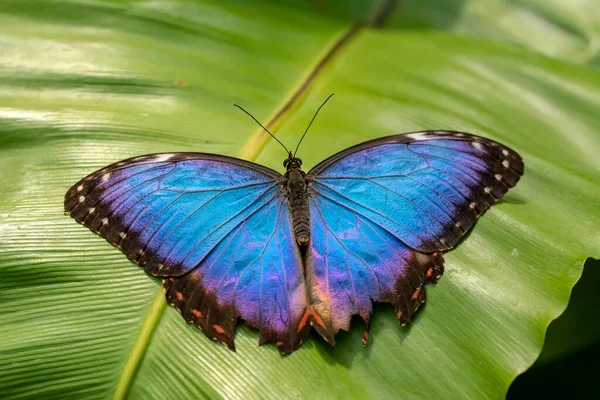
<point>219,227</point>
<point>255,274</point>
<point>353,262</point>
<point>382,210</point>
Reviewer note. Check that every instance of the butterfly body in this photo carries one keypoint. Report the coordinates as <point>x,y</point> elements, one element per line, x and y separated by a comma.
<point>296,187</point>
<point>286,252</point>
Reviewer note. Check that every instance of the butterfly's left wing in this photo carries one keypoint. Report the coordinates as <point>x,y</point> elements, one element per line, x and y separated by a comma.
<point>382,211</point>
<point>217,228</point>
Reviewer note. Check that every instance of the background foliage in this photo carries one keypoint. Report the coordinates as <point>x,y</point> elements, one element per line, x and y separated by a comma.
<point>86,83</point>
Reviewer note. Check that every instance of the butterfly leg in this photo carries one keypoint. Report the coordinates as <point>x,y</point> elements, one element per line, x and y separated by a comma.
<point>365,338</point>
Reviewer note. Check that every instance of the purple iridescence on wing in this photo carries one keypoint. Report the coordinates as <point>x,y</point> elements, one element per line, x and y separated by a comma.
<point>382,211</point>
<point>255,273</point>
<point>218,227</point>
<point>353,262</point>
<point>426,192</point>
<point>151,207</point>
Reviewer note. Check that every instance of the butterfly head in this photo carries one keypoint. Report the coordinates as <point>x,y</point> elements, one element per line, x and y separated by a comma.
<point>292,162</point>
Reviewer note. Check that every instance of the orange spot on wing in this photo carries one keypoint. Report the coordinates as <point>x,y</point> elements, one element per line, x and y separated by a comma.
<point>399,314</point>
<point>197,313</point>
<point>279,343</point>
<point>303,320</point>
<point>429,272</point>
<point>219,329</point>
<point>415,294</point>
<point>316,317</point>
<point>179,296</point>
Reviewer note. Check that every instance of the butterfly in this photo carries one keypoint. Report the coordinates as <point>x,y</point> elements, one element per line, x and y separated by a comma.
<point>290,252</point>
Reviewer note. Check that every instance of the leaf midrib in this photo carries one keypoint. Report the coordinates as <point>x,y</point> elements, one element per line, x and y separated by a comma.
<point>251,151</point>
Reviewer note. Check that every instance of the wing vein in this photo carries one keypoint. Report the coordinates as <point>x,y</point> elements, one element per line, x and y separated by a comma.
<point>368,208</point>
<point>285,281</point>
<point>452,162</point>
<point>198,209</point>
<point>347,251</point>
<point>492,155</point>
<point>104,194</point>
<point>232,217</point>
<point>113,211</point>
<point>219,190</point>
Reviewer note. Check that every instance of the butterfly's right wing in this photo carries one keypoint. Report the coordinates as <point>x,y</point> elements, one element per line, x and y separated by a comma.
<point>382,211</point>
<point>216,227</point>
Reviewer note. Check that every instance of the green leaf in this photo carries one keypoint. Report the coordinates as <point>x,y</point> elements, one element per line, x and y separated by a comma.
<point>87,83</point>
<point>556,28</point>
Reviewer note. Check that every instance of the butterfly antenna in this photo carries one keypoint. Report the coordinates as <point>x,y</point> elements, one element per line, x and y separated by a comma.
<point>261,125</point>
<point>311,121</point>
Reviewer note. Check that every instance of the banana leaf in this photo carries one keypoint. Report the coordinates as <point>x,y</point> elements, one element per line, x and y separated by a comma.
<point>87,83</point>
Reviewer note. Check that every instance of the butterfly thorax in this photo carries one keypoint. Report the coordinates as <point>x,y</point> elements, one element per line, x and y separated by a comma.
<point>297,195</point>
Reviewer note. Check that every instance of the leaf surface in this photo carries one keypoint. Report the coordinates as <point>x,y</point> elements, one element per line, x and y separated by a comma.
<point>84,84</point>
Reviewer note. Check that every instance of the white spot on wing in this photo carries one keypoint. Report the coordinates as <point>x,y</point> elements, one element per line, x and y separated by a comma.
<point>92,210</point>
<point>477,145</point>
<point>79,188</point>
<point>81,198</point>
<point>487,189</point>
<point>498,177</point>
<point>505,152</point>
<point>104,221</point>
<point>163,157</point>
<point>122,235</point>
<point>418,136</point>
<point>506,163</point>
<point>472,206</point>
<point>105,177</point>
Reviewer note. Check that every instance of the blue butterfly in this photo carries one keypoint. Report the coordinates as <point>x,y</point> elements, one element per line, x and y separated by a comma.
<point>233,239</point>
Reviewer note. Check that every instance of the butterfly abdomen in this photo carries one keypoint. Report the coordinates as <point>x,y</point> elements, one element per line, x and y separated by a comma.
<point>298,200</point>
